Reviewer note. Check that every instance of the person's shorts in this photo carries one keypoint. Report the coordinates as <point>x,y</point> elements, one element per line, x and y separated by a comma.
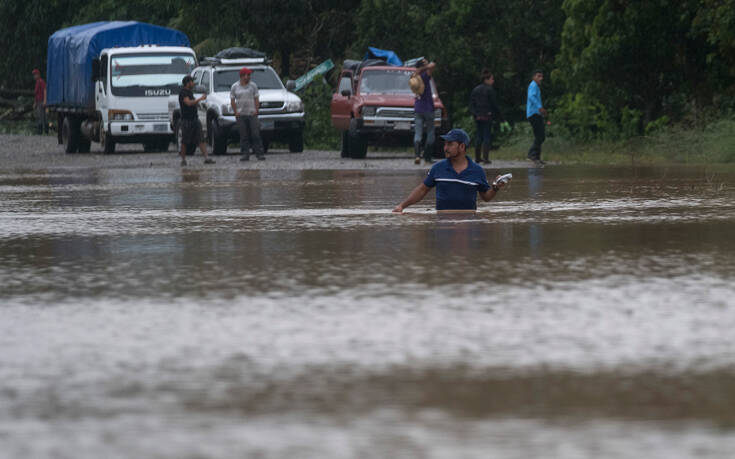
<point>191,132</point>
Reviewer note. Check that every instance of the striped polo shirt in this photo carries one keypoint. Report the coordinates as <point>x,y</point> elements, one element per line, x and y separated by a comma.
<point>456,191</point>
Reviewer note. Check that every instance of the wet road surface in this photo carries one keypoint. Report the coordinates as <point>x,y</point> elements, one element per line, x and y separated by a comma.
<point>234,312</point>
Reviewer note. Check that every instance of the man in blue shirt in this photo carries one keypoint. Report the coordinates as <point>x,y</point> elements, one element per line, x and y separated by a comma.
<point>457,178</point>
<point>535,112</point>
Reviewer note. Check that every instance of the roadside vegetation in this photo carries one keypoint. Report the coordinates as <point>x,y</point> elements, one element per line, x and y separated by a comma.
<point>626,82</point>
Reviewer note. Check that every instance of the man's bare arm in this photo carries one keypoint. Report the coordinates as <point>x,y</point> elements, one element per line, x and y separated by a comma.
<point>416,195</point>
<point>489,194</point>
<point>428,66</point>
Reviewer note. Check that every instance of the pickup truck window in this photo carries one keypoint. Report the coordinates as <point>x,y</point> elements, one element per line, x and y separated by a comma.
<point>264,78</point>
<point>385,82</point>
<point>148,74</point>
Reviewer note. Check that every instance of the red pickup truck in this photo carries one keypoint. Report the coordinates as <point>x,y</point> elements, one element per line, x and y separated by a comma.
<point>373,105</point>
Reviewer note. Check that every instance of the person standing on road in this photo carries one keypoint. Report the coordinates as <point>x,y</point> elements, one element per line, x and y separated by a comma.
<point>535,112</point>
<point>484,108</point>
<point>191,127</point>
<point>39,103</point>
<point>423,109</point>
<point>245,101</point>
<point>457,178</point>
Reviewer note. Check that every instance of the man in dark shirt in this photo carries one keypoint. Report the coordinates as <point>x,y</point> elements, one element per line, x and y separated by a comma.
<point>191,127</point>
<point>484,108</point>
<point>457,178</point>
<point>39,102</point>
<point>424,113</point>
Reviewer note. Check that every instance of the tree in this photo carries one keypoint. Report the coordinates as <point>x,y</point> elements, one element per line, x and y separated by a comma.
<point>622,55</point>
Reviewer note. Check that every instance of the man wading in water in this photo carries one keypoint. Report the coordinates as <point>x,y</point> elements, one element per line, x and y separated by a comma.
<point>457,178</point>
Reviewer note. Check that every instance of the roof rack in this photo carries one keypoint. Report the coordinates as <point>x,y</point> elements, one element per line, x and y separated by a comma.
<point>238,61</point>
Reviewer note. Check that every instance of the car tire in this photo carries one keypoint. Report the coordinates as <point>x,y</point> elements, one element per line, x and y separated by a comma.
<point>106,142</point>
<point>296,142</point>
<point>219,140</point>
<point>345,151</point>
<point>357,143</point>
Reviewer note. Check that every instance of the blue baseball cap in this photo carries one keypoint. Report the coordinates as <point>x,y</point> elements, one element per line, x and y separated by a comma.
<point>456,135</point>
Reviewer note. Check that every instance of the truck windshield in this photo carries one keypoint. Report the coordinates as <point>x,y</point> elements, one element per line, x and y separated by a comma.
<point>264,78</point>
<point>141,75</point>
<point>385,82</point>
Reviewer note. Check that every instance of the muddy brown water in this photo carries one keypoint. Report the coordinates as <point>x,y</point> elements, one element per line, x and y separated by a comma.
<point>587,312</point>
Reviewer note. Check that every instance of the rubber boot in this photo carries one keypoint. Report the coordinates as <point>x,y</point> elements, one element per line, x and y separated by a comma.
<point>417,155</point>
<point>486,154</point>
<point>477,154</point>
<point>429,153</point>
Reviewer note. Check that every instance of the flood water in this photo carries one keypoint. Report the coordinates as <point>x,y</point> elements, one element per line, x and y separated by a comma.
<point>586,312</point>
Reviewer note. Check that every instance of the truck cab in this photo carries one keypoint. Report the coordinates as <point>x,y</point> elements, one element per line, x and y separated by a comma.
<point>373,105</point>
<point>132,86</point>
<point>281,114</point>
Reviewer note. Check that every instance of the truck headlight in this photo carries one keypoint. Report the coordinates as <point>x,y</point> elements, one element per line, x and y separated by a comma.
<point>120,115</point>
<point>294,106</point>
<point>368,111</point>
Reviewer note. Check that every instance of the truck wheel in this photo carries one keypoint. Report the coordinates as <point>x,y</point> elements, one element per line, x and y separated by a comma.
<point>70,134</point>
<point>219,140</point>
<point>84,145</point>
<point>357,143</point>
<point>296,142</point>
<point>345,152</point>
<point>106,142</point>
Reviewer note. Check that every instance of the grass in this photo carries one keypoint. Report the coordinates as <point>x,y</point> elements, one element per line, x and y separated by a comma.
<point>711,144</point>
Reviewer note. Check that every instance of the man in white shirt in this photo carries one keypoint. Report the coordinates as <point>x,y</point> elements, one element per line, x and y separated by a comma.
<point>245,102</point>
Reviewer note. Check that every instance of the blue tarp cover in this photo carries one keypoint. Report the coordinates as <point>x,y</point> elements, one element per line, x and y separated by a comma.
<point>71,50</point>
<point>389,56</point>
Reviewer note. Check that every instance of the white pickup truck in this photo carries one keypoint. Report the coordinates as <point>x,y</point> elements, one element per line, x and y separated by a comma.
<point>281,111</point>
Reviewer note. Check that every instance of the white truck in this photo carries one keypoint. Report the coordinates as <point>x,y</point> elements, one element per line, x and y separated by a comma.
<point>281,113</point>
<point>109,82</point>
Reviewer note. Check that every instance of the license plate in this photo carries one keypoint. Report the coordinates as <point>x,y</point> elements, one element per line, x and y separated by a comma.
<point>266,125</point>
<point>402,126</point>
<point>160,127</point>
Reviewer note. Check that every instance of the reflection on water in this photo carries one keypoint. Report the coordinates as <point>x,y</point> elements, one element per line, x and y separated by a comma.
<point>587,312</point>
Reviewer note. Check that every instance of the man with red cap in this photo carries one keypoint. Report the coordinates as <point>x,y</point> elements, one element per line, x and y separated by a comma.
<point>245,101</point>
<point>39,102</point>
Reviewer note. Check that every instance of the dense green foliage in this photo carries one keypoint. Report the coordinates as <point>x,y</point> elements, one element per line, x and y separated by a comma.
<point>615,69</point>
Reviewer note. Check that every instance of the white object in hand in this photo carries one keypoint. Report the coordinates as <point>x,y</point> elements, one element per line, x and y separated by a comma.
<point>503,179</point>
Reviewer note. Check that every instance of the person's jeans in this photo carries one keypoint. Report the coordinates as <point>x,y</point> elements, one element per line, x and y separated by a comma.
<point>41,124</point>
<point>424,121</point>
<point>249,128</point>
<point>484,136</point>
<point>539,135</point>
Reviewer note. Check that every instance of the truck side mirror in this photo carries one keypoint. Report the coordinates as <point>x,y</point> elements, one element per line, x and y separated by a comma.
<point>290,85</point>
<point>95,69</point>
<point>346,92</point>
<point>200,89</point>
